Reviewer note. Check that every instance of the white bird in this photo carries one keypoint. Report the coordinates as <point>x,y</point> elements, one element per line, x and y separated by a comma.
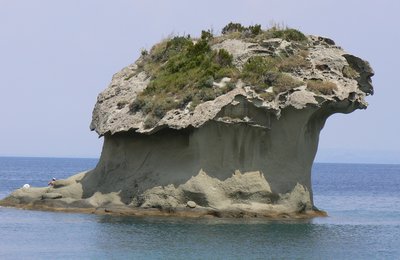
<point>26,186</point>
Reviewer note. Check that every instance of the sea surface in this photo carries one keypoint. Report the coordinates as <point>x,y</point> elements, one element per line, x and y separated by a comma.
<point>362,200</point>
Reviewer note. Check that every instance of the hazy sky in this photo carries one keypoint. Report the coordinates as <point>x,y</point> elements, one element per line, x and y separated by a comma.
<point>56,56</point>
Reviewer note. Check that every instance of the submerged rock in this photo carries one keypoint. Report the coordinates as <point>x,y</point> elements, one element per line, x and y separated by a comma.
<point>177,138</point>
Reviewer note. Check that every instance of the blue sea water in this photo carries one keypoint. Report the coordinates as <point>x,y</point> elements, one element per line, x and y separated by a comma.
<point>363,202</point>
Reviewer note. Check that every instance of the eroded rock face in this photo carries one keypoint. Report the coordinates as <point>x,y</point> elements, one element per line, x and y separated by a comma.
<point>194,159</point>
<point>241,192</point>
<point>328,62</point>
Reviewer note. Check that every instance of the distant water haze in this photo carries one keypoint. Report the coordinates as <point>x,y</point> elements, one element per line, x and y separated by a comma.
<point>357,156</point>
<point>56,56</point>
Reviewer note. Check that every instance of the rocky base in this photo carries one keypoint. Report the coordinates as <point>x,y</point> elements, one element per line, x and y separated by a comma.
<point>177,212</point>
<point>242,195</point>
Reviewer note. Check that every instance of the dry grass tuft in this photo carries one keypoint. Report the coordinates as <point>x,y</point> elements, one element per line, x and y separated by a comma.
<point>321,87</point>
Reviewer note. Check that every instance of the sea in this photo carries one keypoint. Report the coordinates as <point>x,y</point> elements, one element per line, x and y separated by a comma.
<point>362,200</point>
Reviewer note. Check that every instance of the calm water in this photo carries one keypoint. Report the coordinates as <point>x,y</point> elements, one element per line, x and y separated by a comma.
<point>363,202</point>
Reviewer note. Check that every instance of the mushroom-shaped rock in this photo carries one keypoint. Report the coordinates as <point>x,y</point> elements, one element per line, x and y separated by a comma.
<point>183,122</point>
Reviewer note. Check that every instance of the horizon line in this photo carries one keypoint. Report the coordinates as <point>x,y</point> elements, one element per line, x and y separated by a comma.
<point>98,158</point>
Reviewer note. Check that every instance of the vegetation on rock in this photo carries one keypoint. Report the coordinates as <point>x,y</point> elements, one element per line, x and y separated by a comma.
<point>349,72</point>
<point>255,33</point>
<point>264,72</point>
<point>321,87</point>
<point>251,31</point>
<point>288,34</point>
<point>185,72</point>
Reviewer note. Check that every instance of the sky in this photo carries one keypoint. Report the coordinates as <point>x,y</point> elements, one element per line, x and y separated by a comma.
<point>56,56</point>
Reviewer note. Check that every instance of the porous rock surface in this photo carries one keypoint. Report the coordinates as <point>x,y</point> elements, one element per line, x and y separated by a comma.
<point>236,155</point>
<point>328,62</point>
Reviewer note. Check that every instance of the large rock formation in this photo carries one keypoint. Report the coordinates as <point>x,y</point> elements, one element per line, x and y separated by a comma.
<point>247,150</point>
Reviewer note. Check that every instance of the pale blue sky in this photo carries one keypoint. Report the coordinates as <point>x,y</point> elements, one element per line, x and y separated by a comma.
<point>56,56</point>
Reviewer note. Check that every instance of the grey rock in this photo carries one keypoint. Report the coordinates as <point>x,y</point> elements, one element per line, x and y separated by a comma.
<point>51,195</point>
<point>191,204</point>
<point>249,192</point>
<point>112,115</point>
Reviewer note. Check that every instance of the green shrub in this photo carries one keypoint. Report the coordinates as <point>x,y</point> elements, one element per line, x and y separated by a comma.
<point>151,68</point>
<point>166,49</point>
<point>230,86</point>
<point>255,33</point>
<point>223,58</point>
<point>182,71</point>
<point>178,43</point>
<point>207,35</point>
<point>288,34</point>
<point>162,106</point>
<point>157,51</point>
<point>263,72</point>
<point>232,27</point>
<point>206,82</point>
<point>255,30</point>
<point>206,94</point>
<point>198,49</point>
<point>240,31</point>
<point>230,72</point>
<point>257,65</point>
<point>321,87</point>
<point>144,52</point>
<point>185,99</point>
<point>255,69</point>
